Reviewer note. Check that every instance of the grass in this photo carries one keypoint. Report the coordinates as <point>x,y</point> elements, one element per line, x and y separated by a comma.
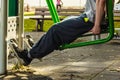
<point>30,25</point>
<point>117,24</point>
<point>29,13</point>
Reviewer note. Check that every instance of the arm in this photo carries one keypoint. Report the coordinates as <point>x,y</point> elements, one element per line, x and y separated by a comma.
<point>100,8</point>
<point>61,2</point>
<point>118,2</point>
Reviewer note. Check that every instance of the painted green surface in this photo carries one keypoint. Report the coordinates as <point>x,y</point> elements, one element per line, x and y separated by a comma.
<point>53,11</point>
<point>13,7</point>
<point>78,44</point>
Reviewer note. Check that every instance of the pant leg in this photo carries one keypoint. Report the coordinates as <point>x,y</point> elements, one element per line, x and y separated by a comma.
<point>63,32</point>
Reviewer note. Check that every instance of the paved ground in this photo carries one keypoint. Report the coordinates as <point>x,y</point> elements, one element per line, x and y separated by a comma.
<point>95,62</point>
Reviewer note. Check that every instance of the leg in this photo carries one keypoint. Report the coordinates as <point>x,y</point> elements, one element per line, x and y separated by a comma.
<point>37,23</point>
<point>41,25</point>
<point>60,33</point>
<point>60,6</point>
<point>57,6</point>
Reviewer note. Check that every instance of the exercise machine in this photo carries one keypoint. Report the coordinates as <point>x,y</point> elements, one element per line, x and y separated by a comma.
<point>12,30</point>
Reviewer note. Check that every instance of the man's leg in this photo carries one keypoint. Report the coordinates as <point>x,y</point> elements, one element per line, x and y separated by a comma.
<point>64,32</point>
<point>60,33</point>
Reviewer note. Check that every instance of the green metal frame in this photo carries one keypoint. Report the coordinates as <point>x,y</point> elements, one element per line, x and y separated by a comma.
<point>56,19</point>
<point>13,8</point>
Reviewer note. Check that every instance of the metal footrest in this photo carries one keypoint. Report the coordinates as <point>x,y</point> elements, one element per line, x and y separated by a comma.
<point>28,41</point>
<point>12,43</point>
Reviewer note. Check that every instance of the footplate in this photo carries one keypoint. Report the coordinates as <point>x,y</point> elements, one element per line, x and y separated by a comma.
<point>11,43</point>
<point>28,41</point>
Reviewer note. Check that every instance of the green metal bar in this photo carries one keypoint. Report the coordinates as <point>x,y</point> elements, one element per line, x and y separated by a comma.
<point>13,8</point>
<point>109,6</point>
<point>53,11</point>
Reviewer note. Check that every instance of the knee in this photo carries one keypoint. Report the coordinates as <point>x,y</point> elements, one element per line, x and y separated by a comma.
<point>55,28</point>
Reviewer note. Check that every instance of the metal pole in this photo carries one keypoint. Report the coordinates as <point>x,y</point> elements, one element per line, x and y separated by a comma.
<point>20,30</point>
<point>3,34</point>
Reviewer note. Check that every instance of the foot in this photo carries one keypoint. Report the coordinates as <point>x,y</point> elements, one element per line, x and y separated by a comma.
<point>22,54</point>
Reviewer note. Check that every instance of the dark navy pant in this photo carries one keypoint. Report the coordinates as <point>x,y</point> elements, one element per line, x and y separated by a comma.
<point>60,33</point>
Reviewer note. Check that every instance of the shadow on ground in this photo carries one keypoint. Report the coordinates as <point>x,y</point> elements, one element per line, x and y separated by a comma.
<point>24,75</point>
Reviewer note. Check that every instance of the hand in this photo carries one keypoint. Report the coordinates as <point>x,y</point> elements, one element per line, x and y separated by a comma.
<point>96,30</point>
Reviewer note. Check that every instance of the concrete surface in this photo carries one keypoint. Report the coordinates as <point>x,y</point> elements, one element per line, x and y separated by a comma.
<point>94,62</point>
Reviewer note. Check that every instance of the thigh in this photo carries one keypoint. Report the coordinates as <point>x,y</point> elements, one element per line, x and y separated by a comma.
<point>72,28</point>
<point>75,23</point>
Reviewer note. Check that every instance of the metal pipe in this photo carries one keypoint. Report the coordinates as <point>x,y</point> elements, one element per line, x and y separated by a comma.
<point>20,29</point>
<point>3,34</point>
<point>79,44</point>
